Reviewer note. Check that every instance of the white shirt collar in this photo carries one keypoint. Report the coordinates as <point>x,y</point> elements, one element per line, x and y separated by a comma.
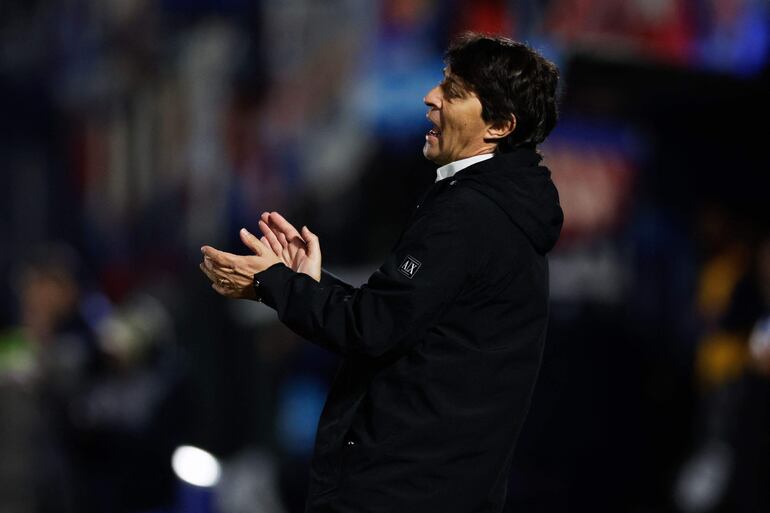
<point>450,169</point>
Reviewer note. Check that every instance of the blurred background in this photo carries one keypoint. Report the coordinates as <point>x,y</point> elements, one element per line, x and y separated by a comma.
<point>134,131</point>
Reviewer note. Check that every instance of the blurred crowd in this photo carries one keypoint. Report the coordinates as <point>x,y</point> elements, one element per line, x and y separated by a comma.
<point>135,131</point>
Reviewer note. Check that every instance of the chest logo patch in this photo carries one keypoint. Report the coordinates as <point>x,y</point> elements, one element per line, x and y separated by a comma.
<point>409,267</point>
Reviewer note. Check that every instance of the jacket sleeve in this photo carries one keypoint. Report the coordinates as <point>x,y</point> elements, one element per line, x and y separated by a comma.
<point>401,300</point>
<point>328,279</point>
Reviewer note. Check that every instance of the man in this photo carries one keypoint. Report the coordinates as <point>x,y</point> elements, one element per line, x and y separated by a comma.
<point>441,347</point>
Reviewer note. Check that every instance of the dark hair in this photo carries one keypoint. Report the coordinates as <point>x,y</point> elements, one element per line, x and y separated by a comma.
<point>509,78</point>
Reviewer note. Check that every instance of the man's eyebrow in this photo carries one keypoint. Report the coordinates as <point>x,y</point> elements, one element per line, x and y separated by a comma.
<point>452,81</point>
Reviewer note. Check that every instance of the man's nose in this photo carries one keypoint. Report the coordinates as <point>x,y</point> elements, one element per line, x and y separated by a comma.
<point>433,98</point>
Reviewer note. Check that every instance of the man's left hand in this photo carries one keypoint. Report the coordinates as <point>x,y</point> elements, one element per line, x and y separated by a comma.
<point>233,275</point>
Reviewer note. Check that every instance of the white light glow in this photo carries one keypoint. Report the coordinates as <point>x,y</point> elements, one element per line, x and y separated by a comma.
<point>195,466</point>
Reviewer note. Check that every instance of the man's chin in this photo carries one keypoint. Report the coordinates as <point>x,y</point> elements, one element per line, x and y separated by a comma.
<point>430,153</point>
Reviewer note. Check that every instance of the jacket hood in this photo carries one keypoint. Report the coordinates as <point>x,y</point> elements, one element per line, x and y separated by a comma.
<point>523,190</point>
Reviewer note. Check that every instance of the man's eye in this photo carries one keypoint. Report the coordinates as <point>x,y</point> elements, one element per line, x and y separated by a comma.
<point>450,90</point>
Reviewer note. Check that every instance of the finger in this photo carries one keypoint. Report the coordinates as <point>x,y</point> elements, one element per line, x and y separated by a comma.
<point>291,246</point>
<point>283,240</point>
<point>205,271</point>
<point>265,218</point>
<point>212,267</point>
<point>273,241</point>
<point>215,279</point>
<point>278,252</point>
<point>251,242</point>
<point>217,272</point>
<point>297,247</point>
<point>313,244</point>
<point>283,225</point>
<point>220,258</point>
<point>222,277</point>
<point>220,290</point>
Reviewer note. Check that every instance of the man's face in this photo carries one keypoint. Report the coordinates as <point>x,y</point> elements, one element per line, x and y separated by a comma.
<point>458,130</point>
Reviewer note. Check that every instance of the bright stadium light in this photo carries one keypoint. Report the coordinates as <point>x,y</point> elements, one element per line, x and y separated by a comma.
<point>195,466</point>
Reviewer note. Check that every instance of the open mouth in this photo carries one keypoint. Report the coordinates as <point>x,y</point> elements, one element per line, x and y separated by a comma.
<point>435,132</point>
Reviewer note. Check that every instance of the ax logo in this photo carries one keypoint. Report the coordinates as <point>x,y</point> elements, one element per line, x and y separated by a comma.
<point>409,267</point>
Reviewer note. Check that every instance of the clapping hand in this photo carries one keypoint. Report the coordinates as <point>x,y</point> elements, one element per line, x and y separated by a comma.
<point>233,275</point>
<point>298,250</point>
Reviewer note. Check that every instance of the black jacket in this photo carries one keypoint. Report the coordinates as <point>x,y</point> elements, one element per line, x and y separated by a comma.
<point>441,347</point>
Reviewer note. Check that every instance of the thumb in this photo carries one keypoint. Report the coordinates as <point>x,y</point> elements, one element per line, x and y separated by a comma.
<point>251,242</point>
<point>313,244</point>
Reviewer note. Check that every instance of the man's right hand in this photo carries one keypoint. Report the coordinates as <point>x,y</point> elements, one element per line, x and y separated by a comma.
<point>299,250</point>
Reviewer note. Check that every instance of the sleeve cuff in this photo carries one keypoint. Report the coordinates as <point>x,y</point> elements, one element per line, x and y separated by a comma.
<point>269,281</point>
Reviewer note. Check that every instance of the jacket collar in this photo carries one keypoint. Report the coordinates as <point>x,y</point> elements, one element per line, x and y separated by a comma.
<point>450,169</point>
<point>520,157</point>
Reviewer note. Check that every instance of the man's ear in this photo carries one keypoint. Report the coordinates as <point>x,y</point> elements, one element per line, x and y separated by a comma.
<point>501,130</point>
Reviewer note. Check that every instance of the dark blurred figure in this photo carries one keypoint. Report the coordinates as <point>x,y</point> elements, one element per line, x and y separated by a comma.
<point>750,491</point>
<point>130,415</point>
<point>43,361</point>
<point>92,397</point>
<point>730,466</point>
